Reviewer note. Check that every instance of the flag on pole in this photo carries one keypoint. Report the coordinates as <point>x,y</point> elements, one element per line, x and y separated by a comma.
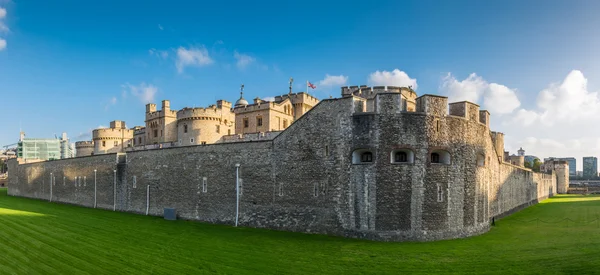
<point>313,86</point>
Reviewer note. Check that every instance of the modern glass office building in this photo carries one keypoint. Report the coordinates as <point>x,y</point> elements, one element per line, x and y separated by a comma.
<point>38,149</point>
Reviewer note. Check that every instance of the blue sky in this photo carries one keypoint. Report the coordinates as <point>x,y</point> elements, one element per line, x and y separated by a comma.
<point>74,65</point>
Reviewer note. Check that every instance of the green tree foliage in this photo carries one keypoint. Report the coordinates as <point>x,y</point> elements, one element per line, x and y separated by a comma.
<point>536,165</point>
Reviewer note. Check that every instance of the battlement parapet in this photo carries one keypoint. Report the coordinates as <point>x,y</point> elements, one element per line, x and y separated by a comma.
<point>249,137</point>
<point>161,114</point>
<point>138,130</point>
<point>258,106</point>
<point>432,104</point>
<point>465,109</point>
<point>296,98</point>
<point>88,143</point>
<point>111,133</point>
<point>197,113</point>
<point>408,94</point>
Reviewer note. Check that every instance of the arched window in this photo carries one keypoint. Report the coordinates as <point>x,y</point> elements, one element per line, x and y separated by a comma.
<point>360,156</point>
<point>440,156</point>
<point>402,156</point>
<point>480,160</point>
<point>435,158</point>
<point>366,157</point>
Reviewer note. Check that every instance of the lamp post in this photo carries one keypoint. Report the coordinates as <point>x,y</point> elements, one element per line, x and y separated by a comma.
<point>115,190</point>
<point>95,187</point>
<point>237,193</point>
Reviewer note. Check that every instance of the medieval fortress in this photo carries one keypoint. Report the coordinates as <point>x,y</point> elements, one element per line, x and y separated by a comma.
<point>200,126</point>
<point>377,163</point>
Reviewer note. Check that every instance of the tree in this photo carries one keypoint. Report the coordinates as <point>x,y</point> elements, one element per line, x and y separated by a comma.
<point>536,165</point>
<point>528,165</point>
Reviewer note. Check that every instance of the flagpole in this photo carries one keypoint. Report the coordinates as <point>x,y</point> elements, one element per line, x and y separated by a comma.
<point>307,87</point>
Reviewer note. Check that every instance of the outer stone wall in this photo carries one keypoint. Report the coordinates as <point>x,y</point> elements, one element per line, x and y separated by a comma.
<point>311,179</point>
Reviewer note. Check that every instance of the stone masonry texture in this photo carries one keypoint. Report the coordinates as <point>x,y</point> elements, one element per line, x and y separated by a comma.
<point>309,177</point>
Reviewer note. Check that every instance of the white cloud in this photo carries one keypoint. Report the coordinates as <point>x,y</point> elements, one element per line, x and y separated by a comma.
<point>497,98</point>
<point>243,60</point>
<point>160,27</point>
<point>332,81</point>
<point>560,124</point>
<point>3,27</point>
<point>270,98</point>
<point>193,56</point>
<point>2,44</point>
<point>111,102</point>
<point>393,78</point>
<point>144,92</point>
<point>161,54</point>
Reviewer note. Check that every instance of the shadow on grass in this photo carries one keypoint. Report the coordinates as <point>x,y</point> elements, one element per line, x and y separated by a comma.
<point>69,239</point>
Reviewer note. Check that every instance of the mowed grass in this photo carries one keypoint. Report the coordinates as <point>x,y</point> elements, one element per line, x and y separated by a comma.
<point>37,237</point>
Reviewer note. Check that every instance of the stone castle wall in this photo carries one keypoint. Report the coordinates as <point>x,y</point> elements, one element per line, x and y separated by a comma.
<point>311,179</point>
<point>111,140</point>
<point>204,125</point>
<point>84,148</point>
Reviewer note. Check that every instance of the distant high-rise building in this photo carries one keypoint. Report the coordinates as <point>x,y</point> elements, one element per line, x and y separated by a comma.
<point>42,149</point>
<point>38,149</point>
<point>590,167</point>
<point>572,166</point>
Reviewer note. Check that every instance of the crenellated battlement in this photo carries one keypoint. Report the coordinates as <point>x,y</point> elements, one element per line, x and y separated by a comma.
<point>298,98</point>
<point>264,105</point>
<point>161,114</point>
<point>87,143</point>
<point>211,112</point>
<point>370,92</point>
<point>111,133</point>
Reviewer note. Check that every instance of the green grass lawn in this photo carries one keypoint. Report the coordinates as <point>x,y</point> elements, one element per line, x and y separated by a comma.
<point>37,237</point>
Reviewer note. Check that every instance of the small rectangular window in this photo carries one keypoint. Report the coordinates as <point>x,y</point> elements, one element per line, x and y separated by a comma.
<point>245,122</point>
<point>104,143</point>
<point>281,189</point>
<point>440,193</point>
<point>204,185</point>
<point>204,143</point>
<point>155,133</point>
<point>218,128</point>
<point>326,150</point>
<point>134,182</point>
<point>259,121</point>
<point>191,140</point>
<point>185,128</point>
<point>316,190</point>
